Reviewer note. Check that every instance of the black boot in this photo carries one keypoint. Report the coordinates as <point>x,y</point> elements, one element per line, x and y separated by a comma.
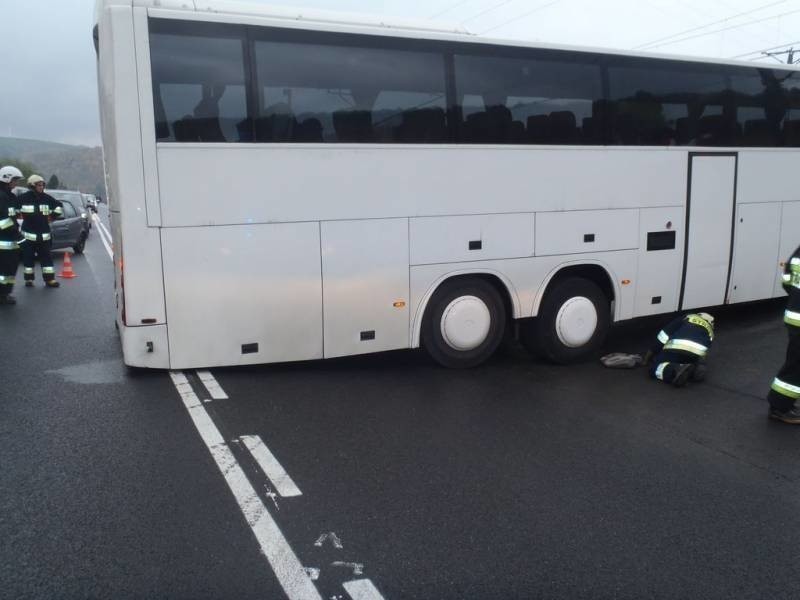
<point>7,300</point>
<point>52,284</point>
<point>791,416</point>
<point>29,283</point>
<point>682,374</point>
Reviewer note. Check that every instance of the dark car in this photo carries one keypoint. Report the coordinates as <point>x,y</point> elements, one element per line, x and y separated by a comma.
<point>77,200</point>
<point>71,230</point>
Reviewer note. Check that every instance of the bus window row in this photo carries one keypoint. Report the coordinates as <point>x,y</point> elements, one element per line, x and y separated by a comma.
<point>239,87</point>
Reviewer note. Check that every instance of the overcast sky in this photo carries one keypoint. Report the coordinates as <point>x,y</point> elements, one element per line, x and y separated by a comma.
<point>52,93</point>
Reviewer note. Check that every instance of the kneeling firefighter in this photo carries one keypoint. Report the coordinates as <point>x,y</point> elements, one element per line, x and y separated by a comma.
<point>680,350</point>
<point>37,210</point>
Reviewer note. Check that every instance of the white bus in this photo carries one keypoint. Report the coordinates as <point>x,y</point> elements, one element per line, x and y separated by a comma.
<point>288,186</point>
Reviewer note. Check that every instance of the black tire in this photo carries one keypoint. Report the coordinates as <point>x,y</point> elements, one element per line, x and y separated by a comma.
<point>78,248</point>
<point>434,341</point>
<point>542,335</point>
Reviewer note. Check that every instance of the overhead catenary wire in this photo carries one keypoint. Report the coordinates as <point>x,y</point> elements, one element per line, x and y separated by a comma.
<point>522,16</point>
<point>740,25</point>
<point>487,10</point>
<point>655,43</point>
<point>449,8</point>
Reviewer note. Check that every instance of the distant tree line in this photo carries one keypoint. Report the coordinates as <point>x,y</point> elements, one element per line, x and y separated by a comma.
<point>28,169</point>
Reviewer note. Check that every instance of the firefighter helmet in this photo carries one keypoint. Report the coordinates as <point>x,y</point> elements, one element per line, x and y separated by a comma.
<point>9,174</point>
<point>34,179</point>
<point>707,317</point>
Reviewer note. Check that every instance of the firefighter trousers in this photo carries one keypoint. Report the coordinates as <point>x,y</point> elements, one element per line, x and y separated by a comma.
<point>666,363</point>
<point>9,261</point>
<point>41,250</point>
<point>785,388</point>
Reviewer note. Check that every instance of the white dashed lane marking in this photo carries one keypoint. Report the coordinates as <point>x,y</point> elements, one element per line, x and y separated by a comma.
<point>217,393</point>
<point>271,467</point>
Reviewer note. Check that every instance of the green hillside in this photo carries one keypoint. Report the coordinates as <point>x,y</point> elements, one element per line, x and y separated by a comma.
<point>77,167</point>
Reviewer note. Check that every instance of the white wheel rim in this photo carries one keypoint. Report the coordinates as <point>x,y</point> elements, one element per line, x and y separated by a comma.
<point>465,323</point>
<point>576,322</point>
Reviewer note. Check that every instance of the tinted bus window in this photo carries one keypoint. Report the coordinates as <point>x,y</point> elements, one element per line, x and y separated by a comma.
<point>767,107</point>
<point>511,100</point>
<point>656,104</point>
<point>331,93</point>
<point>199,90</point>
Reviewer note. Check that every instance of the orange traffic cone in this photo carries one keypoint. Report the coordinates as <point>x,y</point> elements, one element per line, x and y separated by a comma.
<point>66,271</point>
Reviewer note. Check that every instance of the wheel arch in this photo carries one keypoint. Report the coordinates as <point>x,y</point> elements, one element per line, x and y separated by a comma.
<point>500,282</point>
<point>595,271</point>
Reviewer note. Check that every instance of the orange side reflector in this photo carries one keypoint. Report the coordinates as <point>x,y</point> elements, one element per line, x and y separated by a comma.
<point>399,304</point>
<point>626,282</point>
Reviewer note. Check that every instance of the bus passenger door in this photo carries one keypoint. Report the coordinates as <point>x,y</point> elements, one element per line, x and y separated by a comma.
<point>365,286</point>
<point>712,194</point>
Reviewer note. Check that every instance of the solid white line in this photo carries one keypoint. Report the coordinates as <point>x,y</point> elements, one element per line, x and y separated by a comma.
<point>103,232</point>
<point>271,467</point>
<point>362,589</point>
<point>217,393</point>
<point>276,549</point>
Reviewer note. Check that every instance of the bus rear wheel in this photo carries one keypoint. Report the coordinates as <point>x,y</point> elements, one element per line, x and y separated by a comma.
<point>573,322</point>
<point>464,323</point>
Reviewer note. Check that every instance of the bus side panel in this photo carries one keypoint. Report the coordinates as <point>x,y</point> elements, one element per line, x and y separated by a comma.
<point>365,279</point>
<point>140,254</point>
<point>661,246</point>
<point>403,181</point>
<point>755,252</point>
<point>243,295</point>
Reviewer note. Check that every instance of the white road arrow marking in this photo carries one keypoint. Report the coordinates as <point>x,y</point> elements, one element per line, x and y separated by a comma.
<point>358,568</point>
<point>337,543</point>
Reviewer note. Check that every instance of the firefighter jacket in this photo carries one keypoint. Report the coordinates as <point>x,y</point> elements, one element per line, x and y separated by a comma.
<point>9,231</point>
<point>688,335</point>
<point>791,283</point>
<point>37,210</point>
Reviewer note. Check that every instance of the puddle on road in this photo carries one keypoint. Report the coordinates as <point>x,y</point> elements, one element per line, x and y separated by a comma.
<point>93,373</point>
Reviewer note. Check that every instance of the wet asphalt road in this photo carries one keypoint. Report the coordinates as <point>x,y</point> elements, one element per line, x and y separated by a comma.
<point>519,479</point>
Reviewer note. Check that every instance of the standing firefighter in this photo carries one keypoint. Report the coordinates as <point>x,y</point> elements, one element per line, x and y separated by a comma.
<point>680,350</point>
<point>9,234</point>
<point>37,210</point>
<point>785,389</point>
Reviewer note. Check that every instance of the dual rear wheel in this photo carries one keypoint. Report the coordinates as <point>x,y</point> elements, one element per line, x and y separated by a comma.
<point>466,320</point>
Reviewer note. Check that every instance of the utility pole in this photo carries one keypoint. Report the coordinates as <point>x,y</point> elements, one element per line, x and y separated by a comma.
<point>789,55</point>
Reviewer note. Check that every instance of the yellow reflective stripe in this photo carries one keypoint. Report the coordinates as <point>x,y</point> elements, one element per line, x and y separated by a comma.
<point>44,209</point>
<point>45,236</point>
<point>786,389</point>
<point>29,236</point>
<point>12,212</point>
<point>660,371</point>
<point>663,337</point>
<point>28,270</point>
<point>686,346</point>
<point>27,209</point>
<point>48,270</point>
<point>8,245</point>
<point>6,223</point>
<point>700,321</point>
<point>791,318</point>
<point>786,277</point>
<point>7,279</point>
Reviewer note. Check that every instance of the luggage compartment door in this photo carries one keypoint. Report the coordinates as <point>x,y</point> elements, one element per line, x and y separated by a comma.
<point>365,286</point>
<point>709,229</point>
